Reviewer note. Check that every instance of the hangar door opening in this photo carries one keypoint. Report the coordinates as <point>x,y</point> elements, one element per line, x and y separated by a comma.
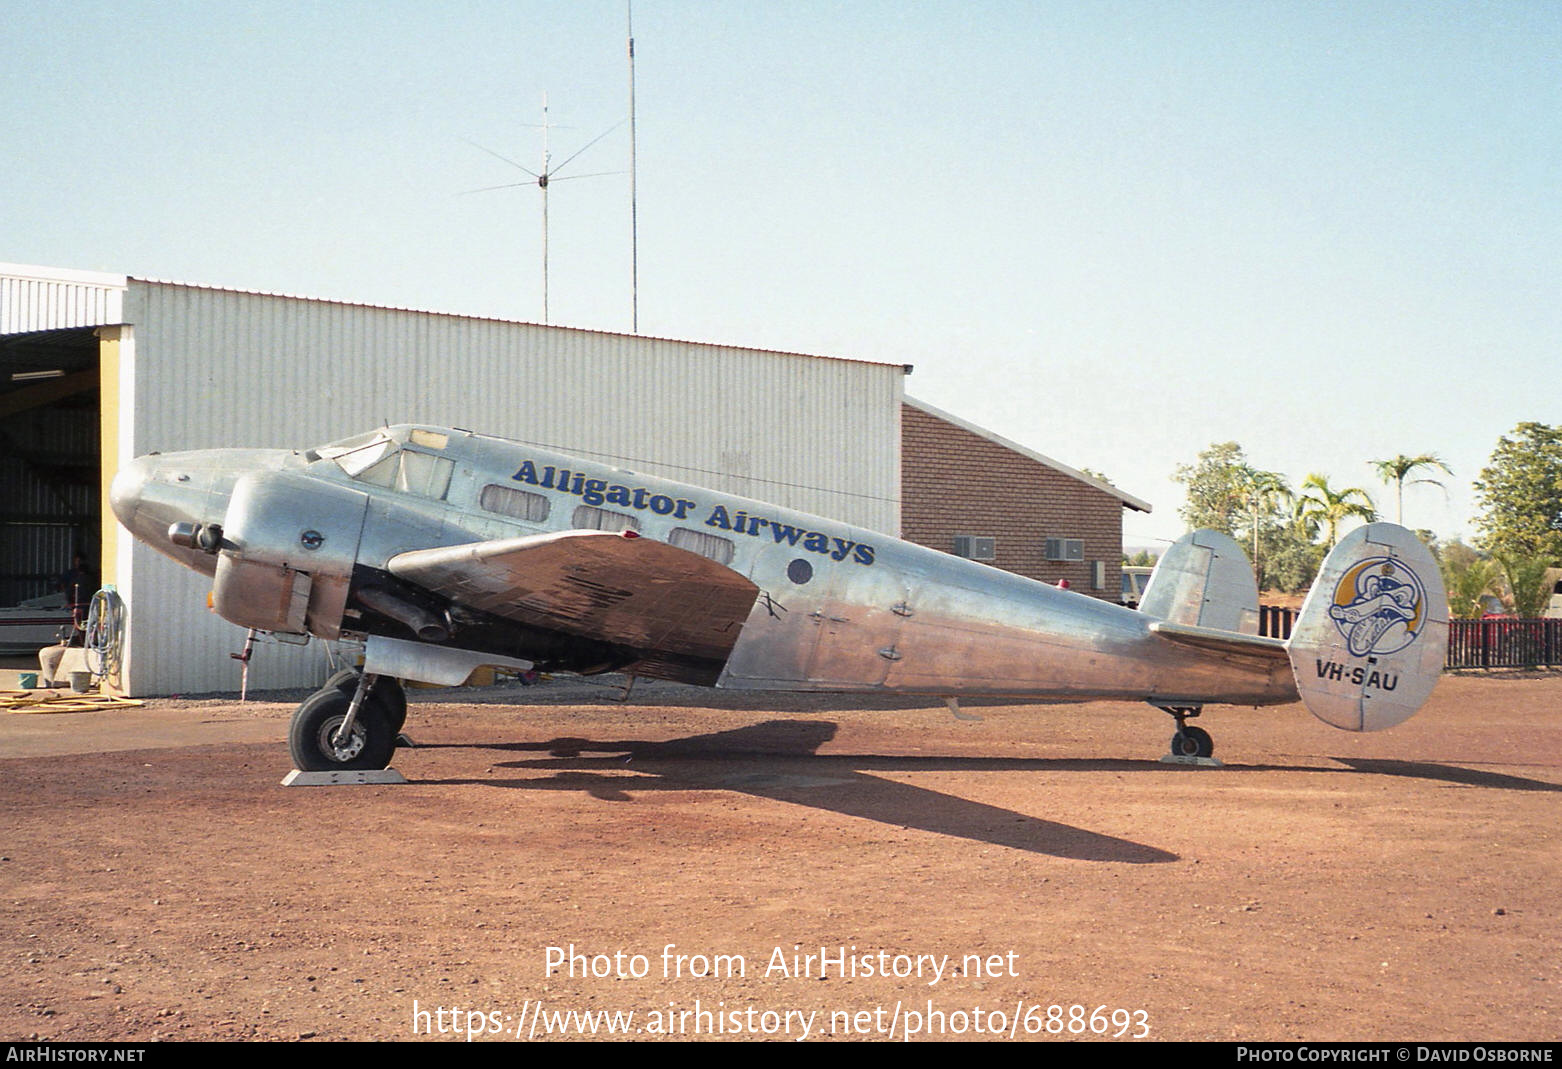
<point>50,459</point>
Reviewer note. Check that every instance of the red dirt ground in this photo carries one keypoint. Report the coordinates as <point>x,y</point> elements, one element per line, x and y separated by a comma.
<point>156,882</point>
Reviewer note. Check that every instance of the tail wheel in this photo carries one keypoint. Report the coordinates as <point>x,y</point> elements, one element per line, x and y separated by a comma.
<point>1191,741</point>
<point>312,737</point>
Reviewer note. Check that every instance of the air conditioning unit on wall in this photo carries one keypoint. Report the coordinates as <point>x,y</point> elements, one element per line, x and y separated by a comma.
<point>972,547</point>
<point>1065,549</point>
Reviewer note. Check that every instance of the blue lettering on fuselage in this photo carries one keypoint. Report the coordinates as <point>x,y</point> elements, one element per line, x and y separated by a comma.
<point>641,498</point>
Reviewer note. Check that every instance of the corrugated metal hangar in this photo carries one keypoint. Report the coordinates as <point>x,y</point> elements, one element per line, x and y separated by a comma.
<point>98,369</point>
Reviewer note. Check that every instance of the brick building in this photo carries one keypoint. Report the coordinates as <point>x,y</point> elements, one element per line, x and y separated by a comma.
<point>967,491</point>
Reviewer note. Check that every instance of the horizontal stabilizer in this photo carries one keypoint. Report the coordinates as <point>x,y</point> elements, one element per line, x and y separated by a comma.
<point>1222,642</point>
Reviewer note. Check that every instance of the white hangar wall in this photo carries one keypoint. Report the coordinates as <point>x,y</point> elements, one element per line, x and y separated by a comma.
<point>218,367</point>
<point>196,367</point>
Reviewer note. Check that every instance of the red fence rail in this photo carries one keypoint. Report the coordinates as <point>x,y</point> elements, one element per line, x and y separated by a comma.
<point>1504,643</point>
<point>1498,643</point>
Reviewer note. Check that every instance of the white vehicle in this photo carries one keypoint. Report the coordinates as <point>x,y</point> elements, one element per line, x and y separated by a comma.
<point>1135,578</point>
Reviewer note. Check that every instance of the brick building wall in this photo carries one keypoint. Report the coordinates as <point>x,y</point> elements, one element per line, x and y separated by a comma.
<point>957,481</point>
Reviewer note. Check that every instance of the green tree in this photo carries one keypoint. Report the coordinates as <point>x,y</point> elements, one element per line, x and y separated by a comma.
<point>1398,469</point>
<point>1269,495</point>
<point>1320,507</point>
<point>1520,491</point>
<point>1291,561</point>
<point>1217,494</point>
<point>1227,493</point>
<point>1527,584</point>
<point>1468,577</point>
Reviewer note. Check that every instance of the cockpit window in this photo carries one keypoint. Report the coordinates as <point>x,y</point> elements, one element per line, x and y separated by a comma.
<point>419,473</point>
<point>347,445</point>
<point>380,462</point>
<point>429,439</point>
<point>356,459</point>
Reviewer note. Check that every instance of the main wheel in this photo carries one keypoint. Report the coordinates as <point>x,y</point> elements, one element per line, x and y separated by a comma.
<point>393,700</point>
<point>1192,742</point>
<point>387,693</point>
<point>370,745</point>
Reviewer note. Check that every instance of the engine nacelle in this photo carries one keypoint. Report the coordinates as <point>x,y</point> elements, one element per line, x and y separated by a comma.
<point>289,543</point>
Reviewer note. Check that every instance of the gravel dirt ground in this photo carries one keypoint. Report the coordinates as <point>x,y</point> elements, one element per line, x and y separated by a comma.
<point>156,881</point>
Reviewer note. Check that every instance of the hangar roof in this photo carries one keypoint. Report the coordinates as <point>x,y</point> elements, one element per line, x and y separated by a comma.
<point>1128,500</point>
<point>66,277</point>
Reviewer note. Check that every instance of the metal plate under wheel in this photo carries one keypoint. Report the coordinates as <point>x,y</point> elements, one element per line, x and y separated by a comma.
<point>1166,759</point>
<point>296,778</point>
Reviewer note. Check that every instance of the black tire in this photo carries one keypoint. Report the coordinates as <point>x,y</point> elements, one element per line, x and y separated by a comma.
<point>392,700</point>
<point>309,738</point>
<point>387,693</point>
<point>1192,742</point>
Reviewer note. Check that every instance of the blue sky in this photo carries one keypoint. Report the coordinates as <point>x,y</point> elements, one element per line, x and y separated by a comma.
<point>1114,232</point>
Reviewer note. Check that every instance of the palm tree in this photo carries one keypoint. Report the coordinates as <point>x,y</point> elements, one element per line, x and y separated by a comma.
<point>1398,469</point>
<point>1264,490</point>
<point>1319,504</point>
<point>1468,582</point>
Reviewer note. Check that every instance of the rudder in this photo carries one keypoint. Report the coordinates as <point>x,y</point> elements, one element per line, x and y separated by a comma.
<point>1371,638</point>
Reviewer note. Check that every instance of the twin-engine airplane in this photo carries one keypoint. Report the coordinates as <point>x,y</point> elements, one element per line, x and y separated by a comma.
<point>445,550</point>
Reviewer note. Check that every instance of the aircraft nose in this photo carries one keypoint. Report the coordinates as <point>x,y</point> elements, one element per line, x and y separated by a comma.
<point>154,492</point>
<point>124,492</point>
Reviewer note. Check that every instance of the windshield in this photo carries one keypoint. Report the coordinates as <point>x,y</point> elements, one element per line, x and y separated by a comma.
<point>347,445</point>
<point>355,461</point>
<point>379,460</point>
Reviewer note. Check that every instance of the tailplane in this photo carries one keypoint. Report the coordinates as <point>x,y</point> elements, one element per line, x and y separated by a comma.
<point>1372,636</point>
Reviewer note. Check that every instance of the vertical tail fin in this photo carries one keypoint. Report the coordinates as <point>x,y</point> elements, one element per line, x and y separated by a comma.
<point>1204,580</point>
<point>1372,636</point>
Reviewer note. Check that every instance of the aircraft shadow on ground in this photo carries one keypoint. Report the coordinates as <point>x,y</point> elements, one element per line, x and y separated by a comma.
<point>1468,777</point>
<point>779,760</point>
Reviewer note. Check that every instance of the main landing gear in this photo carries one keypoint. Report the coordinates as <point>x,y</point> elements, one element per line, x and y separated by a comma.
<point>350,724</point>
<point>1189,741</point>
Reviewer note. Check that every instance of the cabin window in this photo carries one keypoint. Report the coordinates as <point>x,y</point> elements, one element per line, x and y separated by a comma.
<point>715,547</point>
<point>591,518</point>
<point>516,504</point>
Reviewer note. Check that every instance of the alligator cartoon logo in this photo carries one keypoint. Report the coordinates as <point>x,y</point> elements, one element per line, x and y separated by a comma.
<point>1379,606</point>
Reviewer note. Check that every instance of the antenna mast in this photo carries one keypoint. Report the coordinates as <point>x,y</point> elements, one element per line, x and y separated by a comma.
<point>542,184</point>
<point>542,179</point>
<point>634,218</point>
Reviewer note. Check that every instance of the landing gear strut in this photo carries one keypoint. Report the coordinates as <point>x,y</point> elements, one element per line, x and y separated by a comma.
<point>383,690</point>
<point>350,724</point>
<point>1189,741</point>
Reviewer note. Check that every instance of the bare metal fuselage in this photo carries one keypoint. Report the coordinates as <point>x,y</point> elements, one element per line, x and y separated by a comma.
<point>300,542</point>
